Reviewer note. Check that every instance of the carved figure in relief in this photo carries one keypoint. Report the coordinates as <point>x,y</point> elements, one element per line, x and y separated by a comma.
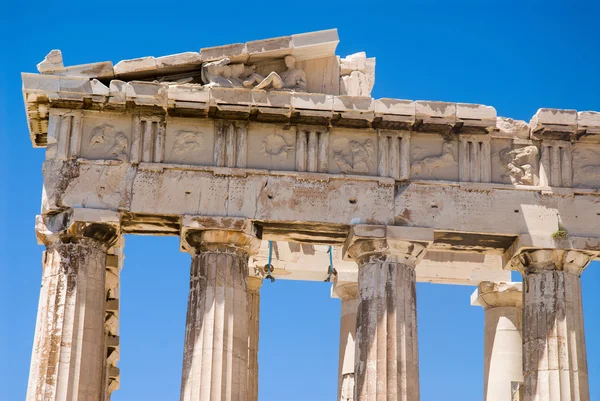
<point>223,74</point>
<point>292,79</point>
<point>187,142</point>
<point>428,165</point>
<point>113,144</point>
<point>356,158</point>
<point>520,164</point>
<point>275,146</point>
<point>244,75</point>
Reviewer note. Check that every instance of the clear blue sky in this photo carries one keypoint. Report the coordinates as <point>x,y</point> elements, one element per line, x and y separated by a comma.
<point>512,56</point>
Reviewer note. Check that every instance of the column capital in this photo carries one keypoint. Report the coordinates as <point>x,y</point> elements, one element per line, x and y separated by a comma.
<point>345,290</point>
<point>490,294</point>
<point>218,234</point>
<point>100,228</point>
<point>540,260</point>
<point>366,243</point>
<point>254,283</point>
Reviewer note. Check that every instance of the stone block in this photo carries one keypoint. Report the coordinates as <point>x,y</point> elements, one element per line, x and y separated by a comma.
<point>436,112</point>
<point>397,107</point>
<point>476,114</point>
<point>509,128</point>
<point>269,48</point>
<point>189,93</point>
<point>138,67</point>
<point>117,92</point>
<point>271,99</point>
<point>102,70</point>
<point>147,93</point>
<point>40,83</point>
<point>237,53</point>
<point>589,121</point>
<point>547,122</point>
<point>352,103</point>
<point>98,88</point>
<point>236,96</point>
<point>177,63</point>
<point>312,101</point>
<point>353,62</point>
<point>75,85</point>
<point>53,60</point>
<point>315,44</point>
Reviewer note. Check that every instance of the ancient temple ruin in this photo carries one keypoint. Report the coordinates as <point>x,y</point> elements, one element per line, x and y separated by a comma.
<point>274,151</point>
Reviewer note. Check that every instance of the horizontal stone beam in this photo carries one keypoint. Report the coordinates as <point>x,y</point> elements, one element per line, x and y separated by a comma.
<point>466,218</point>
<point>294,261</point>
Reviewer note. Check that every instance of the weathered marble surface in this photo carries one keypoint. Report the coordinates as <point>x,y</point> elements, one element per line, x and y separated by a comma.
<point>417,190</point>
<point>503,343</point>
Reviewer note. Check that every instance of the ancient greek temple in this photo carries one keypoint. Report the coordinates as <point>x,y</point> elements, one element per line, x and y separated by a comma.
<point>270,159</point>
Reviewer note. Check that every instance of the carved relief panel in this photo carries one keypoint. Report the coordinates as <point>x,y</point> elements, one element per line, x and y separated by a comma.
<point>106,136</point>
<point>586,165</point>
<point>189,141</point>
<point>394,154</point>
<point>64,134</point>
<point>515,161</point>
<point>474,159</point>
<point>352,151</point>
<point>230,143</point>
<point>433,158</point>
<point>556,169</point>
<point>271,147</point>
<point>312,149</point>
<point>148,140</point>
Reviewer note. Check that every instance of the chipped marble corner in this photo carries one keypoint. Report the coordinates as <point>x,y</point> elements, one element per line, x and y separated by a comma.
<point>368,243</point>
<point>220,233</point>
<point>101,226</point>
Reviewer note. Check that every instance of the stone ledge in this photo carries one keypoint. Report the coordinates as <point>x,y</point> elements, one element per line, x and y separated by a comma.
<point>566,125</point>
<point>239,103</point>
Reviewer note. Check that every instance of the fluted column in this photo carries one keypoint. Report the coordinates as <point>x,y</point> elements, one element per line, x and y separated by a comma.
<point>254,284</point>
<point>503,345</point>
<point>215,361</point>
<point>348,294</point>
<point>386,362</point>
<point>68,353</point>
<point>554,355</point>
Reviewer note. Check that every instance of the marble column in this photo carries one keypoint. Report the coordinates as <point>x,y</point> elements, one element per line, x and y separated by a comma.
<point>554,355</point>
<point>215,361</point>
<point>254,284</point>
<point>68,355</point>
<point>348,294</point>
<point>386,362</point>
<point>503,344</point>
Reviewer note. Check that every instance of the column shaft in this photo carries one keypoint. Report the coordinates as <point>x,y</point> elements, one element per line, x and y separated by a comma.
<point>503,352</point>
<point>554,354</point>
<point>555,363</point>
<point>503,345</point>
<point>387,363</point>
<point>68,354</point>
<point>215,364</point>
<point>254,284</point>
<point>347,348</point>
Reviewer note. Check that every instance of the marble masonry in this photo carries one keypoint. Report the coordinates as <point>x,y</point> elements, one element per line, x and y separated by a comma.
<point>271,159</point>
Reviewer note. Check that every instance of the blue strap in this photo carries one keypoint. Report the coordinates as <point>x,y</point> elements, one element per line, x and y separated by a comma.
<point>330,271</point>
<point>269,266</point>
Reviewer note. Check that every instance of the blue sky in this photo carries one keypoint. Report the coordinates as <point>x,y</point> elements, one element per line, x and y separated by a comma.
<point>515,56</point>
